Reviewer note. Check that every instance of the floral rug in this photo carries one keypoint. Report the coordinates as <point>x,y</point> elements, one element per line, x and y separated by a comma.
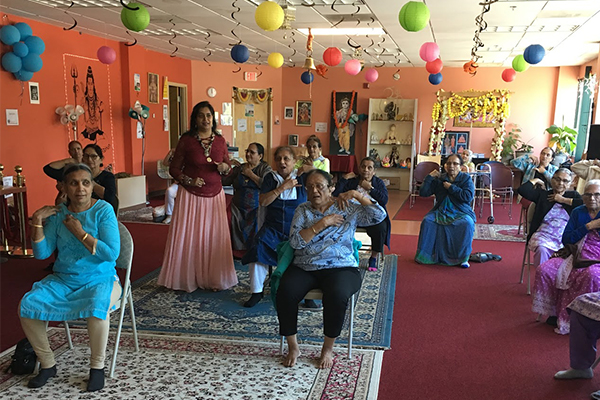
<point>137,215</point>
<point>199,368</point>
<point>505,233</point>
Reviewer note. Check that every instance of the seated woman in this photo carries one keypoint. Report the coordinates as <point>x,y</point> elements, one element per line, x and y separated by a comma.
<point>552,211</point>
<point>467,157</point>
<point>533,167</point>
<point>447,230</point>
<point>104,184</point>
<point>322,235</point>
<point>367,184</point>
<point>282,191</point>
<point>246,179</point>
<point>315,158</point>
<point>84,283</point>
<point>559,281</point>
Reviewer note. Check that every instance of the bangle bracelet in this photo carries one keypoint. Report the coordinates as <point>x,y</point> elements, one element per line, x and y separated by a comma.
<point>314,231</point>
<point>84,237</point>
<point>37,226</point>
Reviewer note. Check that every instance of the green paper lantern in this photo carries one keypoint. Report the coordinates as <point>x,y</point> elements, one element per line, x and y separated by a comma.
<point>135,20</point>
<point>519,64</point>
<point>414,16</point>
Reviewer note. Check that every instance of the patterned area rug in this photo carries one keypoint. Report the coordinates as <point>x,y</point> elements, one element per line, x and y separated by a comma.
<point>137,215</point>
<point>504,233</point>
<point>199,368</point>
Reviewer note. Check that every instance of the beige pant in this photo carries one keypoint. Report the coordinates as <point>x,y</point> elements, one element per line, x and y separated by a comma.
<point>35,330</point>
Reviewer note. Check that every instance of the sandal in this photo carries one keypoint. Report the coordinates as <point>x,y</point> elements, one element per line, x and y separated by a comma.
<point>372,264</point>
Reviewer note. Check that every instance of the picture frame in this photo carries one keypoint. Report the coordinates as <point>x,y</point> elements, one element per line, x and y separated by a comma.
<point>288,113</point>
<point>304,113</point>
<point>34,93</point>
<point>293,140</point>
<point>467,120</point>
<point>153,88</point>
<point>455,142</point>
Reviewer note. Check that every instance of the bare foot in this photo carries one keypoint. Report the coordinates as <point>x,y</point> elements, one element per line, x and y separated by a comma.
<point>290,359</point>
<point>326,359</point>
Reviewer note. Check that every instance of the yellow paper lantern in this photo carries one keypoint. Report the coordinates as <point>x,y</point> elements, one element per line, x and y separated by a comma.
<point>269,16</point>
<point>275,60</point>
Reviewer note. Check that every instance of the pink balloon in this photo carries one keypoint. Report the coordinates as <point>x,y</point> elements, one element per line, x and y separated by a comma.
<point>429,51</point>
<point>352,67</point>
<point>106,55</point>
<point>509,75</point>
<point>371,75</point>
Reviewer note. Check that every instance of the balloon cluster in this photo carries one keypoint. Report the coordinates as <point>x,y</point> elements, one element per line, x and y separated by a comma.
<point>24,59</point>
<point>69,113</point>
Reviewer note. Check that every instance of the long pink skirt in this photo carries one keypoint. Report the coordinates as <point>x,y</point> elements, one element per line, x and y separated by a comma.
<point>198,252</point>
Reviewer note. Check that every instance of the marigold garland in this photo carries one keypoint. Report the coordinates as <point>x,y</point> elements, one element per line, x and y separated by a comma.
<point>342,125</point>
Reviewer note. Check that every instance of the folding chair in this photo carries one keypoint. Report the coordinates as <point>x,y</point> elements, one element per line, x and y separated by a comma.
<point>419,174</point>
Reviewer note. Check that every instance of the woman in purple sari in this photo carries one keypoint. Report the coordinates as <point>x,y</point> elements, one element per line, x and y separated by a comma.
<point>559,281</point>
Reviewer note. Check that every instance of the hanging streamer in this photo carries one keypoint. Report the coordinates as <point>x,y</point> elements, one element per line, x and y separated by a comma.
<point>129,8</point>
<point>354,13</point>
<point>237,23</point>
<point>285,36</point>
<point>239,68</point>
<point>351,45</point>
<point>173,38</point>
<point>73,18</point>
<point>259,63</point>
<point>481,26</point>
<point>333,9</point>
<point>206,47</point>
<point>134,40</point>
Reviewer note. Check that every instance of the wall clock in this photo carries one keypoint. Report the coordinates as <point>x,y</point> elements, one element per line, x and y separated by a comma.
<point>211,91</point>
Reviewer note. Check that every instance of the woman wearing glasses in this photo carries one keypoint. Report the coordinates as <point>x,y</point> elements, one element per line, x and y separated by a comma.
<point>105,187</point>
<point>576,269</point>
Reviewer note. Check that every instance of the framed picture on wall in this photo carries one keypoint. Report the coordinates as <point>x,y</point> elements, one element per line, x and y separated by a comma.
<point>455,142</point>
<point>152,88</point>
<point>34,93</point>
<point>293,140</point>
<point>288,113</point>
<point>304,113</point>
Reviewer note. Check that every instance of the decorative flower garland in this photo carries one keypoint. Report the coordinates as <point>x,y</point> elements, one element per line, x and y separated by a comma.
<point>350,110</point>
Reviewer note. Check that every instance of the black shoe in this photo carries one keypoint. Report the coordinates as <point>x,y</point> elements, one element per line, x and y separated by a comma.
<point>42,377</point>
<point>96,381</point>
<point>254,299</point>
<point>311,304</point>
<point>552,321</point>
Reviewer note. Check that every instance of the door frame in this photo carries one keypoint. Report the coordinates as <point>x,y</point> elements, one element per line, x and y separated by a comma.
<point>184,108</point>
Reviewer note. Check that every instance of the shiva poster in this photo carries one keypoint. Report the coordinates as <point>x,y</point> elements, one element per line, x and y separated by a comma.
<point>343,106</point>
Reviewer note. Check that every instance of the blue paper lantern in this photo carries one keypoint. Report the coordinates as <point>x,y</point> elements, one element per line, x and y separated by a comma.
<point>20,49</point>
<point>23,75</point>
<point>32,63</point>
<point>35,45</point>
<point>24,30</point>
<point>9,35</point>
<point>534,53</point>
<point>240,53</point>
<point>435,79</point>
<point>11,62</point>
<point>307,77</point>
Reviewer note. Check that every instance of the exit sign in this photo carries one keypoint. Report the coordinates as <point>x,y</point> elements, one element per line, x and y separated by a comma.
<point>250,76</point>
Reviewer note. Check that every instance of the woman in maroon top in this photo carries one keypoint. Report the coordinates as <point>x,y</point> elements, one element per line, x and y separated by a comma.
<point>198,252</point>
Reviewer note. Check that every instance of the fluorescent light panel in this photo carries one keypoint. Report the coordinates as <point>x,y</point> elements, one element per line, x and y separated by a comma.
<point>343,31</point>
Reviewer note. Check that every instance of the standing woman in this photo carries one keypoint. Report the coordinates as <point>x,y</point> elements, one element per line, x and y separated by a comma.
<point>198,252</point>
<point>315,157</point>
<point>246,180</point>
<point>105,186</point>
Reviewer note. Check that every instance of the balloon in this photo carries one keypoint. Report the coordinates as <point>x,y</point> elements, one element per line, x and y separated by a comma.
<point>269,16</point>
<point>35,45</point>
<point>60,111</point>
<point>332,56</point>
<point>106,55</point>
<point>275,60</point>
<point>64,120</point>
<point>73,117</point>
<point>23,75</point>
<point>11,62</point>
<point>145,114</point>
<point>240,53</point>
<point>24,30</point>
<point>519,64</point>
<point>508,75</point>
<point>307,77</point>
<point>429,51</point>
<point>352,67</point>
<point>9,35</point>
<point>79,110</point>
<point>414,16</point>
<point>371,75</point>
<point>69,108</point>
<point>20,49</point>
<point>435,79</point>
<point>135,20</point>
<point>32,62</point>
<point>534,53</point>
<point>435,66</point>
<point>133,114</point>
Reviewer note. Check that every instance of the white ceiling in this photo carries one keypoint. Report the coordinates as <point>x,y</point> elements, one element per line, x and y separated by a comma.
<point>568,29</point>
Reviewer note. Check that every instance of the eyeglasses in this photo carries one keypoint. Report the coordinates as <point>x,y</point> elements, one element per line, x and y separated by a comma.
<point>91,156</point>
<point>554,178</point>
<point>596,196</point>
<point>320,187</point>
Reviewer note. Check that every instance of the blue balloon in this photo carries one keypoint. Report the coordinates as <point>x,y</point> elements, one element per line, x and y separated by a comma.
<point>24,30</point>
<point>9,35</point>
<point>23,75</point>
<point>20,49</point>
<point>307,77</point>
<point>11,62</point>
<point>240,53</point>
<point>32,63</point>
<point>435,79</point>
<point>534,53</point>
<point>35,45</point>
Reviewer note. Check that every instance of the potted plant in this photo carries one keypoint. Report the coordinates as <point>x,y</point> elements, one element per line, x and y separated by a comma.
<point>563,140</point>
<point>513,146</point>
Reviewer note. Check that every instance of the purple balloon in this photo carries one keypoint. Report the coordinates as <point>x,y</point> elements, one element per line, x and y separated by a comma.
<point>106,55</point>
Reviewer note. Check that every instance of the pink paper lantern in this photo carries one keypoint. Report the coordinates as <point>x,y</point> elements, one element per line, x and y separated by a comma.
<point>429,51</point>
<point>352,67</point>
<point>371,75</point>
<point>106,55</point>
<point>435,66</point>
<point>509,75</point>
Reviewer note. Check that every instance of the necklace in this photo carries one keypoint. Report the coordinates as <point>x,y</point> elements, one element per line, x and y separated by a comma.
<point>207,145</point>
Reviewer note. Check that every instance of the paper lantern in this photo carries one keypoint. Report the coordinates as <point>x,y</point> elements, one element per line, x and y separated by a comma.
<point>20,49</point>
<point>429,51</point>
<point>371,75</point>
<point>9,35</point>
<point>106,55</point>
<point>508,75</point>
<point>519,64</point>
<point>307,77</point>
<point>352,67</point>
<point>414,16</point>
<point>275,60</point>
<point>11,62</point>
<point>240,53</point>
<point>35,45</point>
<point>32,63</point>
<point>332,56</point>
<point>269,16</point>
<point>435,79</point>
<point>135,20</point>
<point>534,53</point>
<point>24,30</point>
<point>435,66</point>
<point>23,75</point>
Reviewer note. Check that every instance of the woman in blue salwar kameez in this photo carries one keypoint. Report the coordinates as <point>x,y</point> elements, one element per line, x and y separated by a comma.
<point>447,230</point>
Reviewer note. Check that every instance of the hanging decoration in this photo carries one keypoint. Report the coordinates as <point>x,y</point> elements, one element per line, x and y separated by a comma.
<point>509,75</point>
<point>371,75</point>
<point>309,62</point>
<point>24,59</point>
<point>239,52</point>
<point>429,51</point>
<point>534,53</point>
<point>140,113</point>
<point>307,77</point>
<point>205,58</point>
<point>322,70</point>
<point>173,38</point>
<point>414,16</point>
<point>285,36</point>
<point>352,67</point>
<point>135,16</point>
<point>332,56</point>
<point>519,64</point>
<point>269,16</point>
<point>470,67</point>
<point>435,66</point>
<point>72,17</point>
<point>69,114</point>
<point>275,60</point>
<point>258,64</point>
<point>435,79</point>
<point>481,25</point>
<point>106,55</point>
